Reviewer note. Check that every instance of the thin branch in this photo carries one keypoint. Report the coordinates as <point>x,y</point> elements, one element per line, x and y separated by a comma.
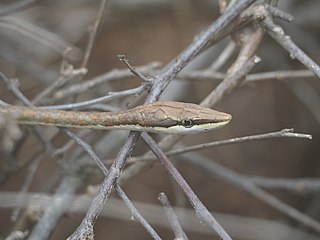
<point>296,185</point>
<point>234,80</point>
<point>202,212</point>
<point>67,74</point>
<point>172,217</point>
<point>285,133</point>
<point>68,145</point>
<point>13,86</point>
<point>244,64</point>
<point>105,189</point>
<point>277,13</point>
<point>207,75</point>
<point>135,213</point>
<point>244,183</point>
<point>87,148</point>
<point>112,75</point>
<point>239,226</point>
<point>68,186</point>
<point>26,186</point>
<point>126,62</point>
<point>278,34</point>
<point>200,43</point>
<point>300,74</point>
<point>52,214</point>
<point>110,97</point>
<point>223,57</point>
<point>93,34</point>
<point>40,35</point>
<point>288,133</point>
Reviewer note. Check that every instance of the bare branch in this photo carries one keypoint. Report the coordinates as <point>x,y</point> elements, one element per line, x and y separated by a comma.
<point>52,214</point>
<point>202,212</point>
<point>223,57</point>
<point>110,97</point>
<point>276,12</point>
<point>96,81</point>
<point>284,133</point>
<point>296,185</point>
<point>67,75</point>
<point>96,207</point>
<point>174,222</point>
<point>277,33</point>
<point>93,33</point>
<point>207,38</point>
<point>126,62</point>
<point>244,183</point>
<point>207,75</point>
<point>240,227</point>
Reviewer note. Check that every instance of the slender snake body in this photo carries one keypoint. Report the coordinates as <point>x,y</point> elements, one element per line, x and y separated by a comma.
<point>161,117</point>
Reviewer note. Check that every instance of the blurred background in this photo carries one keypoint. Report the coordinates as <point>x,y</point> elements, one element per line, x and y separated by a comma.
<point>33,42</point>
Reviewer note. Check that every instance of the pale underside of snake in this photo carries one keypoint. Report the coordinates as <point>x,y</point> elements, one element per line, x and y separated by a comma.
<point>160,117</point>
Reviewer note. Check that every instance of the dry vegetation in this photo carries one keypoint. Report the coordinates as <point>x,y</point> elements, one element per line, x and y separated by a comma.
<point>248,180</point>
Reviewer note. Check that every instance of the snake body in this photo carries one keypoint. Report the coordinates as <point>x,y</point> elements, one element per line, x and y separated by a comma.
<point>160,117</point>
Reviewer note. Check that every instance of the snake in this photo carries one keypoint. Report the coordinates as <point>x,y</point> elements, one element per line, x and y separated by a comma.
<point>168,117</point>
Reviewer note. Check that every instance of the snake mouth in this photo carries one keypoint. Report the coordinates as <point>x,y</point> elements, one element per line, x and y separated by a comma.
<point>221,118</point>
<point>224,119</point>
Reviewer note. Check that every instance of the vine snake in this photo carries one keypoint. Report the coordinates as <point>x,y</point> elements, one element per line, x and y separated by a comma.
<point>160,117</point>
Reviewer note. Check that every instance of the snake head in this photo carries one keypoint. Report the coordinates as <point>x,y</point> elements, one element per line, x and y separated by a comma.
<point>180,118</point>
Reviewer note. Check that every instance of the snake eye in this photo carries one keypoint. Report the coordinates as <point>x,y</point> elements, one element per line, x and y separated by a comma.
<point>187,123</point>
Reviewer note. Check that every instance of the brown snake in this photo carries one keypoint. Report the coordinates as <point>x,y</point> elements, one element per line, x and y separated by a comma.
<point>160,117</point>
